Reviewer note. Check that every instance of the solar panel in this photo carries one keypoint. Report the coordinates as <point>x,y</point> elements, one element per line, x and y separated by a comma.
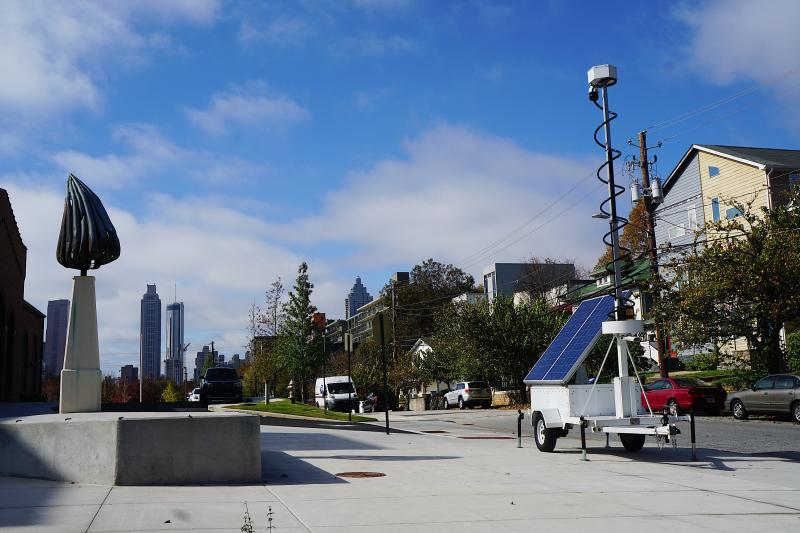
<point>573,343</point>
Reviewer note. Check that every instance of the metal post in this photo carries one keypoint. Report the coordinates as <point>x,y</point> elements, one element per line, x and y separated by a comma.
<point>691,429</point>
<point>608,439</point>
<point>350,377</point>
<point>520,416</point>
<point>385,378</point>
<point>612,195</point>
<point>325,374</point>
<point>583,440</point>
<point>266,392</point>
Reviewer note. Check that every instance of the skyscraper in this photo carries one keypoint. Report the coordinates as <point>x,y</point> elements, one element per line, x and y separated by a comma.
<point>57,318</point>
<point>150,335</point>
<point>173,364</point>
<point>358,296</point>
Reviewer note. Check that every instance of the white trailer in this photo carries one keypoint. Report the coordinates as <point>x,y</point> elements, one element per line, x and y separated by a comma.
<point>562,400</point>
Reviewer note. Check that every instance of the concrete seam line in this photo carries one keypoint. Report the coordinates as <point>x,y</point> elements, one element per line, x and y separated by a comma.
<point>98,510</point>
<point>283,502</point>
<point>118,428</point>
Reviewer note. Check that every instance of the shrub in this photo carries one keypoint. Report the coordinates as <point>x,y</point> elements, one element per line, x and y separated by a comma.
<point>793,351</point>
<point>702,361</point>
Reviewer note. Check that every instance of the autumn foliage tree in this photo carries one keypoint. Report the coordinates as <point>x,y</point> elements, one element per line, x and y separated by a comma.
<point>634,236</point>
<point>741,280</point>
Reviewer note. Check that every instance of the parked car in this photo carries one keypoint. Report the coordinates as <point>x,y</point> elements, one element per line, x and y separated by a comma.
<point>681,394</point>
<point>194,396</point>
<point>374,403</point>
<point>773,395</point>
<point>221,384</point>
<point>469,394</point>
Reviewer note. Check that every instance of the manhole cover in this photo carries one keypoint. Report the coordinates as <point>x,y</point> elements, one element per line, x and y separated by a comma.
<point>360,474</point>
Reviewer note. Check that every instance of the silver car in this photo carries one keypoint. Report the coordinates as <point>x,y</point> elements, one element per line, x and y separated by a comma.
<point>468,394</point>
<point>771,395</point>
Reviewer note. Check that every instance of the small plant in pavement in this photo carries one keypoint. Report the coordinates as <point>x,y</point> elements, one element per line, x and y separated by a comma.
<point>247,527</point>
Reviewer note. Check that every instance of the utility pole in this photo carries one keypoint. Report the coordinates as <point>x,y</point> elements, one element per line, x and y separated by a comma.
<point>649,206</point>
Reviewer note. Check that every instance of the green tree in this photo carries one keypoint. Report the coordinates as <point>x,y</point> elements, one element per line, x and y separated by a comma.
<point>793,351</point>
<point>431,286</point>
<point>498,342</point>
<point>171,393</point>
<point>208,363</point>
<point>743,280</point>
<point>298,351</point>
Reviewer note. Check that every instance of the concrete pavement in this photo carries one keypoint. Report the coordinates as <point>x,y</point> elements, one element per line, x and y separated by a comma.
<point>466,479</point>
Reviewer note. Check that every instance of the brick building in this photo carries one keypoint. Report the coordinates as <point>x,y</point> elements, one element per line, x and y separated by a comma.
<point>21,324</point>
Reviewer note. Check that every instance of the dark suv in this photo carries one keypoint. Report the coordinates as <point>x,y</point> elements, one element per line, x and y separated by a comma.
<point>221,384</point>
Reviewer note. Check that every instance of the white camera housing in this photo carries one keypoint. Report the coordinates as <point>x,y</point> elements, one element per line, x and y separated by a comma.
<point>602,76</point>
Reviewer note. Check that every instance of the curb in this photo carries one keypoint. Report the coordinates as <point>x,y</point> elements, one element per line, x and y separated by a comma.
<point>266,414</point>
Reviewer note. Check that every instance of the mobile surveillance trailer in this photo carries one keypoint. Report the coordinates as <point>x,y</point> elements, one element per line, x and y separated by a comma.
<point>561,397</point>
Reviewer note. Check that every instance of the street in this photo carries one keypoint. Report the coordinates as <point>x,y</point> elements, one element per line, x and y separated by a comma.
<point>755,436</point>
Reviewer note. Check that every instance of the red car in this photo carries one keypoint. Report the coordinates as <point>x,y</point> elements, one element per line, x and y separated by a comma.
<point>681,394</point>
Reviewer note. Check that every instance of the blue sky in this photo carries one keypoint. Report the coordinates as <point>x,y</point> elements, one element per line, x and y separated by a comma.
<point>230,141</point>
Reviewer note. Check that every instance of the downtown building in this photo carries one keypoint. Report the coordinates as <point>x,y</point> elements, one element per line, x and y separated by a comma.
<point>358,297</point>
<point>150,335</point>
<point>173,364</point>
<point>56,337</point>
<point>128,373</point>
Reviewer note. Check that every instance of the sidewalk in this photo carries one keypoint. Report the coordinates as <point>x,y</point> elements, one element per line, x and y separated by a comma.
<point>435,482</point>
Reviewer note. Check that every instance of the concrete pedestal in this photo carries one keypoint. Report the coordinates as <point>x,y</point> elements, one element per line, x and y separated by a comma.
<point>81,377</point>
<point>133,448</point>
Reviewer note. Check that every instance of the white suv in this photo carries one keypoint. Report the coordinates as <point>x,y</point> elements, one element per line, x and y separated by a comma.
<point>469,394</point>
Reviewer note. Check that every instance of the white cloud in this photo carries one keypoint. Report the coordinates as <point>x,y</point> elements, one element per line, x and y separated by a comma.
<point>149,153</point>
<point>52,50</point>
<point>251,106</point>
<point>455,191</point>
<point>742,39</point>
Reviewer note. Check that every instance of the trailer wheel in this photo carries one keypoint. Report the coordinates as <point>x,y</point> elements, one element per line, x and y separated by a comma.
<point>632,442</point>
<point>545,438</point>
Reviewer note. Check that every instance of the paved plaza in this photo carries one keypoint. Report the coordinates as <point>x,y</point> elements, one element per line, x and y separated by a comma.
<point>460,478</point>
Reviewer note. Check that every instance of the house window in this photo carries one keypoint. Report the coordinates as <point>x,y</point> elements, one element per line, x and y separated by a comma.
<point>733,212</point>
<point>676,231</point>
<point>713,172</point>
<point>715,209</point>
<point>691,214</point>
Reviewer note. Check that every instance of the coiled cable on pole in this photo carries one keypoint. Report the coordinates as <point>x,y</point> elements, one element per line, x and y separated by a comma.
<point>624,262</point>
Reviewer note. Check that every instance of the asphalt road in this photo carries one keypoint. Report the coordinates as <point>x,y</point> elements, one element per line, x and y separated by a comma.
<point>756,436</point>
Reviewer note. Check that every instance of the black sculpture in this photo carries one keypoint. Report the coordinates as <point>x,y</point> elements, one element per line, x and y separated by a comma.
<point>88,238</point>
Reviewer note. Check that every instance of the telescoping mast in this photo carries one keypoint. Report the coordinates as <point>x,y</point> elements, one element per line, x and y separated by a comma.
<point>561,397</point>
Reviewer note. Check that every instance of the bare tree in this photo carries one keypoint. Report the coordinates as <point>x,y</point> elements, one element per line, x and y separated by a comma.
<point>273,316</point>
<point>541,274</point>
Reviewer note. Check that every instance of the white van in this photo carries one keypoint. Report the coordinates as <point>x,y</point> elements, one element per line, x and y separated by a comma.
<point>340,394</point>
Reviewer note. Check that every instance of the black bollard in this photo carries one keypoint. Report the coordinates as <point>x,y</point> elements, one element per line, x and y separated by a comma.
<point>583,440</point>
<point>520,416</point>
<point>691,429</point>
